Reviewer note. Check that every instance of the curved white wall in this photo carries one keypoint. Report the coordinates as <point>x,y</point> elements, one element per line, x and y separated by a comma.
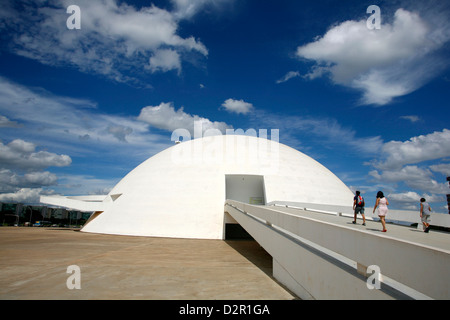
<point>180,192</point>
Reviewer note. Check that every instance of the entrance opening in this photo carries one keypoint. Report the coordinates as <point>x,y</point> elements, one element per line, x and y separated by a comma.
<point>245,188</point>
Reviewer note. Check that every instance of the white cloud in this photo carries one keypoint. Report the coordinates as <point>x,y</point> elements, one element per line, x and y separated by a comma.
<point>165,117</point>
<point>237,106</point>
<point>63,123</point>
<point>120,132</point>
<point>11,181</point>
<point>386,63</point>
<point>165,60</point>
<point>21,154</point>
<point>81,130</point>
<point>406,173</point>
<point>409,196</point>
<point>288,76</point>
<point>23,195</point>
<point>414,177</point>
<point>433,146</point>
<point>411,118</point>
<point>6,123</point>
<point>411,199</point>
<point>24,188</point>
<point>396,166</point>
<point>185,9</point>
<point>443,168</point>
<point>40,178</point>
<point>113,39</point>
<point>57,118</point>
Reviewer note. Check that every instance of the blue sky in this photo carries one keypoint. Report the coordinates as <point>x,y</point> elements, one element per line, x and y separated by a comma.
<point>80,108</point>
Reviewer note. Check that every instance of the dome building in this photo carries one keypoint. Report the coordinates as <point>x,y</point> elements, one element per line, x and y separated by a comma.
<point>180,192</point>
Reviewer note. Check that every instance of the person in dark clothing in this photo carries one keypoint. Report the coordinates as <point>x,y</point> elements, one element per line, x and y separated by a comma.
<point>358,207</point>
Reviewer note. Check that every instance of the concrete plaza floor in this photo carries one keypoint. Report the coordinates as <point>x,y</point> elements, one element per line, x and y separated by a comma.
<point>34,262</point>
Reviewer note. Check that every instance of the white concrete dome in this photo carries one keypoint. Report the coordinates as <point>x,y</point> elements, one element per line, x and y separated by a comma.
<point>180,192</point>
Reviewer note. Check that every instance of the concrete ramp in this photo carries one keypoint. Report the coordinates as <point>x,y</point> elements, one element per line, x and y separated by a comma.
<point>325,256</point>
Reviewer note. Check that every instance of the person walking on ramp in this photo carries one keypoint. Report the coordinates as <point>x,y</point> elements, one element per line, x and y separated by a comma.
<point>425,214</point>
<point>358,207</point>
<point>382,204</point>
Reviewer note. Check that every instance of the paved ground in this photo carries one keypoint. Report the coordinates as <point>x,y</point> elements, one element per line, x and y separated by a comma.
<point>34,262</point>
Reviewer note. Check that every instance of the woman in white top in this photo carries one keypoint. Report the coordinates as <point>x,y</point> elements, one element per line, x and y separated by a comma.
<point>382,204</point>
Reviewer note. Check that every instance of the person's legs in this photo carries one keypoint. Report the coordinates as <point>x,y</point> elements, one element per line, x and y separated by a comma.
<point>383,223</point>
<point>426,223</point>
<point>359,210</point>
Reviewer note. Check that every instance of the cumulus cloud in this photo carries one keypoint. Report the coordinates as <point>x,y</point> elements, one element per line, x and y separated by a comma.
<point>410,199</point>
<point>390,62</point>
<point>20,176</point>
<point>12,181</point>
<point>237,106</point>
<point>23,195</point>
<point>114,37</point>
<point>409,196</point>
<point>408,172</point>
<point>443,168</point>
<point>414,177</point>
<point>22,154</point>
<point>407,163</point>
<point>165,117</point>
<point>433,146</point>
<point>165,60</point>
